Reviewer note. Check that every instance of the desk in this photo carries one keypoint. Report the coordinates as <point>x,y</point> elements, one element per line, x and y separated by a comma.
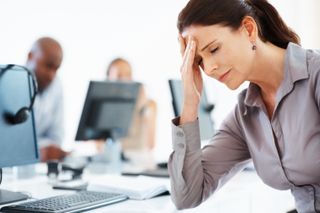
<point>244,193</point>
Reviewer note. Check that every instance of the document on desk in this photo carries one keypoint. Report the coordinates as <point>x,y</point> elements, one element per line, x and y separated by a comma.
<point>137,188</point>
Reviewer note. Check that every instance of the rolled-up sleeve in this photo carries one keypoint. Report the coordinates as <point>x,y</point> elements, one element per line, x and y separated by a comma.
<point>196,173</point>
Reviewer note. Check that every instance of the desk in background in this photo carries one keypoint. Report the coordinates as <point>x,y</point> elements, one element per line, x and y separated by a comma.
<point>244,193</point>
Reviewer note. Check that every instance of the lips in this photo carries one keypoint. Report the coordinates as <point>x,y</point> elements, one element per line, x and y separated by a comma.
<point>223,77</point>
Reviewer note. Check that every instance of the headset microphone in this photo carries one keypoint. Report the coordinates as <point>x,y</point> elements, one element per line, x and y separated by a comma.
<point>23,113</point>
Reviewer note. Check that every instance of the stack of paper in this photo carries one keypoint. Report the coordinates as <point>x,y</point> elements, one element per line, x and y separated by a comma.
<point>138,188</point>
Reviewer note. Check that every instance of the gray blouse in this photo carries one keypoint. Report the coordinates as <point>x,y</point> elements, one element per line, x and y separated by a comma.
<point>285,150</point>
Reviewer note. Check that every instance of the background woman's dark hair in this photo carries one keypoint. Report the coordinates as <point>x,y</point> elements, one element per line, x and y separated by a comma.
<point>230,13</point>
<point>114,61</point>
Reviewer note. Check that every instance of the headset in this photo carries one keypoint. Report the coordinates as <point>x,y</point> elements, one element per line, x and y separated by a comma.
<point>23,113</point>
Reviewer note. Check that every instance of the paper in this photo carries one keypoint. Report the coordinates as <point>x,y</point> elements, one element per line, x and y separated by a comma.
<point>138,188</point>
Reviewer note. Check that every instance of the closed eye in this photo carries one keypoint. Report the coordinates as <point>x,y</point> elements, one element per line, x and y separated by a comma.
<point>214,50</point>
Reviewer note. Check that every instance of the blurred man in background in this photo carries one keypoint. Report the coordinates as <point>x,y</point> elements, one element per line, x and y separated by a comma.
<point>44,60</point>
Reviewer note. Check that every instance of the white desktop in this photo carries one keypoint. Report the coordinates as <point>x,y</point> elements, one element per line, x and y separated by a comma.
<point>244,193</point>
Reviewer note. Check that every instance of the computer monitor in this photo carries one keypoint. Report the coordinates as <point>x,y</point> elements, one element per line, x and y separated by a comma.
<point>108,110</point>
<point>18,143</point>
<point>205,109</point>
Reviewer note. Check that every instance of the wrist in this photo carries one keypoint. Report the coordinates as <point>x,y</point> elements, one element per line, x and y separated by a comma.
<point>189,114</point>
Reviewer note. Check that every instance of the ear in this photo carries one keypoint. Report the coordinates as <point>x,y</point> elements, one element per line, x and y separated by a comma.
<point>30,55</point>
<point>250,27</point>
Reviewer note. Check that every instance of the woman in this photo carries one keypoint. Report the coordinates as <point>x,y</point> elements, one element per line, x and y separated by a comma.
<point>276,121</point>
<point>142,132</point>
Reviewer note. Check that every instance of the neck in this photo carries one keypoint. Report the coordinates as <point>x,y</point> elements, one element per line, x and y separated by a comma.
<point>268,68</point>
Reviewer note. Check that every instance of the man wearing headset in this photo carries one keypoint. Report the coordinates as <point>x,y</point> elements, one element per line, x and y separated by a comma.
<point>44,60</point>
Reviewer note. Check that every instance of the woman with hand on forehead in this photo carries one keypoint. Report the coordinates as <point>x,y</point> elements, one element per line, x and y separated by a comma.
<point>276,121</point>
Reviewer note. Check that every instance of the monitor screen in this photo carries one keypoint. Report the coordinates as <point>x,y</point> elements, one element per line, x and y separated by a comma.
<point>205,121</point>
<point>108,110</point>
<point>18,144</point>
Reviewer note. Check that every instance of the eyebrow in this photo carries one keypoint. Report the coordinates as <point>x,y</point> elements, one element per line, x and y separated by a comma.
<point>208,44</point>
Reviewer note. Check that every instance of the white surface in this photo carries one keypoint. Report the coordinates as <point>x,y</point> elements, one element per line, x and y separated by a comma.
<point>137,188</point>
<point>244,193</point>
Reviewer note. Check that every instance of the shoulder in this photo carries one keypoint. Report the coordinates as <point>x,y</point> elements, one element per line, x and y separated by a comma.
<point>313,63</point>
<point>313,69</point>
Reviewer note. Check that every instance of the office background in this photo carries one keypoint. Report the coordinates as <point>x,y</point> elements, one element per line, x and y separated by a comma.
<point>94,32</point>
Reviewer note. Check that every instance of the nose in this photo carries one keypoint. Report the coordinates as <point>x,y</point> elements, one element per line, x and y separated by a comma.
<point>210,67</point>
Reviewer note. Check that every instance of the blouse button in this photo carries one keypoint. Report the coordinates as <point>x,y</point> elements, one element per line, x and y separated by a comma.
<point>179,134</point>
<point>181,145</point>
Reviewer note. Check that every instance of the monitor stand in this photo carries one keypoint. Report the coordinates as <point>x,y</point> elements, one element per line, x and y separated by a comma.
<point>109,161</point>
<point>9,197</point>
<point>111,152</point>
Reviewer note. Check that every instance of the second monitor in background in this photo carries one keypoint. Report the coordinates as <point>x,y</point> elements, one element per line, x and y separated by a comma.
<point>108,110</point>
<point>205,109</point>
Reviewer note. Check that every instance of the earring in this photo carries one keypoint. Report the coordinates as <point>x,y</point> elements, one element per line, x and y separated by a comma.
<point>254,46</point>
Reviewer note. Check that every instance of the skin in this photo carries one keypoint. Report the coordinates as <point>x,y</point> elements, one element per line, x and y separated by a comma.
<point>227,56</point>
<point>120,71</point>
<point>45,59</point>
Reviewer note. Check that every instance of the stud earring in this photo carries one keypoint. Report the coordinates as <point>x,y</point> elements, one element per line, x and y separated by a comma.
<point>254,46</point>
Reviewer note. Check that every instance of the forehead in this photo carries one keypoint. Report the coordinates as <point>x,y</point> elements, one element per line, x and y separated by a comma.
<point>205,34</point>
<point>52,53</point>
<point>120,64</point>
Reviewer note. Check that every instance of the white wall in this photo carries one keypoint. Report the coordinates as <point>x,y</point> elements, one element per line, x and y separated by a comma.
<point>303,17</point>
<point>92,32</point>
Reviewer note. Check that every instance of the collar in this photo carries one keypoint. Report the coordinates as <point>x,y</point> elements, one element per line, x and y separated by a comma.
<point>295,70</point>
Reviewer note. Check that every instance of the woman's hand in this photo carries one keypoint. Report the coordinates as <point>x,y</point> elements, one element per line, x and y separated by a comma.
<point>192,81</point>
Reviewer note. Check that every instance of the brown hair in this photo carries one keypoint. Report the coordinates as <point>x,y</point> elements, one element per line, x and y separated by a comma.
<point>230,13</point>
<point>113,62</point>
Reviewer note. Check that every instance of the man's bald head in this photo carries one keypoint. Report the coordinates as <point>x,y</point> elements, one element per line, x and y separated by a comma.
<point>44,59</point>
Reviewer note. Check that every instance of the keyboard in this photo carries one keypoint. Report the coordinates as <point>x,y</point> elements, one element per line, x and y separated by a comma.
<point>76,202</point>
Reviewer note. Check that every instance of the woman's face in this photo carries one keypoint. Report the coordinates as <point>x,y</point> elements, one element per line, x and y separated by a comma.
<point>120,71</point>
<point>223,53</point>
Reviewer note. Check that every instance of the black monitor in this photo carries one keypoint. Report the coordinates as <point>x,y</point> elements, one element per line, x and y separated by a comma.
<point>108,110</point>
<point>18,143</point>
<point>205,109</point>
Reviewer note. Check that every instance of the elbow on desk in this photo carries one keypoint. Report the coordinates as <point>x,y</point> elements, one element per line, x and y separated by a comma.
<point>193,195</point>
<point>186,200</point>
<point>185,196</point>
